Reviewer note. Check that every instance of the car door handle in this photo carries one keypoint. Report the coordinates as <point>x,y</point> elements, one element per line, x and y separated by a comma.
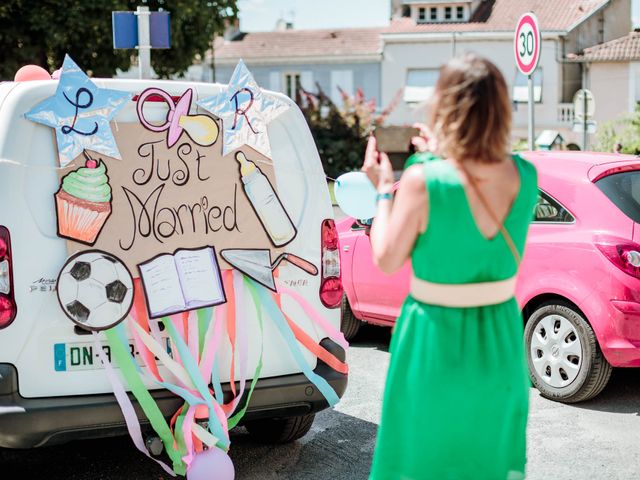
<point>345,248</point>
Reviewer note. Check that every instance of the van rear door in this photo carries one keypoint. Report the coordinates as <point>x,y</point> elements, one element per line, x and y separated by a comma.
<point>42,335</point>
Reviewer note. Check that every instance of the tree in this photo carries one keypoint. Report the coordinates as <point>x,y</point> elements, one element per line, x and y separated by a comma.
<point>341,133</point>
<point>43,32</point>
<point>625,131</point>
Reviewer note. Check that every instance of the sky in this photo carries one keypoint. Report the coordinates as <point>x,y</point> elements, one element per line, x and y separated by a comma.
<point>261,15</point>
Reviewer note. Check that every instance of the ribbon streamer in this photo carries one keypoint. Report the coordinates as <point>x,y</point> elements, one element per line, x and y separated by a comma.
<point>130,417</point>
<point>128,369</point>
<point>277,317</point>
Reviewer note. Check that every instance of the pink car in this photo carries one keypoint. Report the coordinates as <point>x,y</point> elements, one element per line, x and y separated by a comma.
<point>579,286</point>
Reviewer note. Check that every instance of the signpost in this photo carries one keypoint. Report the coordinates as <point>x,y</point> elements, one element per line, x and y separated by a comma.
<point>584,107</point>
<point>527,43</point>
<point>143,30</point>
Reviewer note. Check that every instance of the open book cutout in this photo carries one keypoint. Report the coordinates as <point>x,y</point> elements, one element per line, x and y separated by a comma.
<point>186,280</point>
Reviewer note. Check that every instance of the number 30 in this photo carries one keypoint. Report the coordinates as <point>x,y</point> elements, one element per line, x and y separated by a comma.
<point>527,43</point>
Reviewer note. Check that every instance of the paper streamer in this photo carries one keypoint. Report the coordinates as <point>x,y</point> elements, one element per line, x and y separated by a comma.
<point>195,339</point>
<point>215,378</point>
<point>242,339</point>
<point>139,315</point>
<point>129,413</point>
<point>277,317</point>
<point>234,420</point>
<point>174,367</point>
<point>194,373</point>
<point>231,325</point>
<point>128,369</point>
<point>335,334</point>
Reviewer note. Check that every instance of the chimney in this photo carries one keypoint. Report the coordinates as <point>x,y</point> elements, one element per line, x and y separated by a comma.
<point>398,9</point>
<point>282,25</point>
<point>232,29</point>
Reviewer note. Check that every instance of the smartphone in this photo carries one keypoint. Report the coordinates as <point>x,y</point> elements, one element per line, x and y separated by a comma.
<point>395,139</point>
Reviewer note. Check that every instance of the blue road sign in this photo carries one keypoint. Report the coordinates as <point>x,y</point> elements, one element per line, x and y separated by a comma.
<point>159,30</point>
<point>125,29</point>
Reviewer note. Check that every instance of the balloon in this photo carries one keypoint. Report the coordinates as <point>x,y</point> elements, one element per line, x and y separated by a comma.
<point>355,195</point>
<point>212,464</point>
<point>56,74</point>
<point>31,72</point>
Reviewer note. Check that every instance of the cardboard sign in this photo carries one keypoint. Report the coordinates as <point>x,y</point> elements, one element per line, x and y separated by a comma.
<point>187,196</point>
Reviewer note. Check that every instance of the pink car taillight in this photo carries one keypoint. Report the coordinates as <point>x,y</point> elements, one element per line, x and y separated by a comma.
<point>8,308</point>
<point>624,255</point>
<point>330,283</point>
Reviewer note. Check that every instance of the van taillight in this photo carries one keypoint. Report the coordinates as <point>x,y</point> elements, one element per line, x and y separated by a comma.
<point>8,308</point>
<point>330,283</point>
<point>624,255</point>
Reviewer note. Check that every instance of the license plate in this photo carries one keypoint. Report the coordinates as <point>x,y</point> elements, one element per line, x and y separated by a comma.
<point>70,357</point>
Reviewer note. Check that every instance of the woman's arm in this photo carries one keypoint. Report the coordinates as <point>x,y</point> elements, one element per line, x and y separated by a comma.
<point>398,222</point>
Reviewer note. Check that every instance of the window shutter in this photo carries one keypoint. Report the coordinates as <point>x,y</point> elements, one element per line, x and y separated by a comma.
<point>341,80</point>
<point>275,83</point>
<point>306,81</point>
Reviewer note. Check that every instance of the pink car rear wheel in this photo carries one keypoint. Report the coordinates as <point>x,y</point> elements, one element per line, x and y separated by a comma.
<point>565,361</point>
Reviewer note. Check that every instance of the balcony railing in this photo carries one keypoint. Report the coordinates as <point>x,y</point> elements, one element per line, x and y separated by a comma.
<point>565,113</point>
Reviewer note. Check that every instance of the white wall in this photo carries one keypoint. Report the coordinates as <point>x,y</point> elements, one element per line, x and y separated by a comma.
<point>613,85</point>
<point>400,57</point>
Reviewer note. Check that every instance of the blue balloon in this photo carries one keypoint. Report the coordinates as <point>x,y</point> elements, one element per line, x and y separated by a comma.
<point>356,195</point>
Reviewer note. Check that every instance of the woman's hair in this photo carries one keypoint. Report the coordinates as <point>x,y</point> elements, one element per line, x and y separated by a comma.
<point>471,111</point>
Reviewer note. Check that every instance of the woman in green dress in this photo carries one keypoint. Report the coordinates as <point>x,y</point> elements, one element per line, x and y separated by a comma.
<point>456,398</point>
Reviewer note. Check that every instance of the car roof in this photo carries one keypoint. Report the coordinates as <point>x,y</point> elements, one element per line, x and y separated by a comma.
<point>579,167</point>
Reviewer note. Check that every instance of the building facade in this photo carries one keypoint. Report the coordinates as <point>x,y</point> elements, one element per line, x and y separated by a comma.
<point>404,57</point>
<point>334,60</point>
<point>415,46</point>
<point>613,76</point>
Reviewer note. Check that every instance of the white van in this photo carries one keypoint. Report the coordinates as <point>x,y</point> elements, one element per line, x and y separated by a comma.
<point>53,388</point>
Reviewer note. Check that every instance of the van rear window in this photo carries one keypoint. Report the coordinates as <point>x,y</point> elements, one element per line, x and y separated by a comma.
<point>623,189</point>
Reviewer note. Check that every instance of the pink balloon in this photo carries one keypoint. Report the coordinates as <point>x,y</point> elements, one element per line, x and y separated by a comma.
<point>56,74</point>
<point>212,464</point>
<point>31,72</point>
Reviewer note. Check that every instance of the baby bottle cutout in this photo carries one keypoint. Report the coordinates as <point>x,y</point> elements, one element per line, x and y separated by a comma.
<point>272,214</point>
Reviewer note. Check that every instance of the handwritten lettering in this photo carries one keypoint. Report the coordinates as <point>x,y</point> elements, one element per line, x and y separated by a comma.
<point>240,111</point>
<point>66,129</point>
<point>179,174</point>
<point>149,218</point>
<point>198,159</point>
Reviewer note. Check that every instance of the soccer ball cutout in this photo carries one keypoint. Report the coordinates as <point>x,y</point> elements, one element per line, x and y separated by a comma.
<point>95,290</point>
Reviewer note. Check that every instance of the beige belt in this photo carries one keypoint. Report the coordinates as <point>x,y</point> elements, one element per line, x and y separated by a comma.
<point>463,295</point>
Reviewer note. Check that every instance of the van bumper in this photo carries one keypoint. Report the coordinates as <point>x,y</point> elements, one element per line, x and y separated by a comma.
<point>35,422</point>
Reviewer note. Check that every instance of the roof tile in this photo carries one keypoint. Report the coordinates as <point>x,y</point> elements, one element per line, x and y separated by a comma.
<point>502,15</point>
<point>302,43</point>
<point>491,15</point>
<point>622,49</point>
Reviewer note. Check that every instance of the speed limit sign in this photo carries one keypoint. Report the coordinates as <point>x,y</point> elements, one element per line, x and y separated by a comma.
<point>527,43</point>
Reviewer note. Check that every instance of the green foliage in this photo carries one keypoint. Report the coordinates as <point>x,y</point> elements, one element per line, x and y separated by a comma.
<point>42,32</point>
<point>341,133</point>
<point>520,145</point>
<point>625,131</point>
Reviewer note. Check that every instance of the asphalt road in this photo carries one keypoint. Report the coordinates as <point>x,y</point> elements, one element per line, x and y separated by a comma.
<point>596,440</point>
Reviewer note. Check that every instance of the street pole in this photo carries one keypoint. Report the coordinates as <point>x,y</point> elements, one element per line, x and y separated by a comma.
<point>144,43</point>
<point>584,121</point>
<point>531,115</point>
<point>213,60</point>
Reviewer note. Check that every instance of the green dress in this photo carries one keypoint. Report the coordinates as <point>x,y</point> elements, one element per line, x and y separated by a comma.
<point>456,397</point>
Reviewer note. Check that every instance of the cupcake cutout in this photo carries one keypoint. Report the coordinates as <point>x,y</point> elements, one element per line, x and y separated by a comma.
<point>83,202</point>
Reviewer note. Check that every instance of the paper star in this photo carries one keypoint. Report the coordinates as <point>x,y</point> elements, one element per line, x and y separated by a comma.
<point>245,111</point>
<point>80,112</point>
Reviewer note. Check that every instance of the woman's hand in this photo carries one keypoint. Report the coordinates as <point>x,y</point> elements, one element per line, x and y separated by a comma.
<point>425,142</point>
<point>378,167</point>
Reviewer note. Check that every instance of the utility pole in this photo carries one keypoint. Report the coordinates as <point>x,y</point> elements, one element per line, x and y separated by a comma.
<point>144,43</point>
